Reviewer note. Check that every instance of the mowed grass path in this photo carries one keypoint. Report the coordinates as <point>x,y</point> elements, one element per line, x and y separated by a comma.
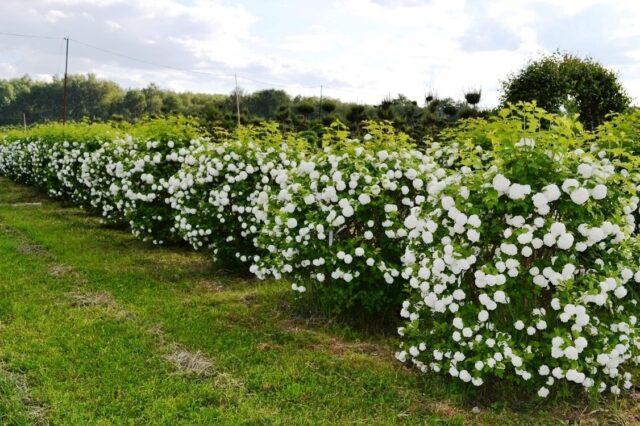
<point>99,328</point>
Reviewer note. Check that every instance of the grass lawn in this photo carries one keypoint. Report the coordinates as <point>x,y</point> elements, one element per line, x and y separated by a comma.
<point>99,328</point>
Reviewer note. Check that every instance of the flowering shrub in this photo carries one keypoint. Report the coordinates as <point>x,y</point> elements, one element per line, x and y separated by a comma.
<point>216,190</point>
<point>527,270</point>
<point>24,161</point>
<point>102,172</point>
<point>51,155</point>
<point>333,225</point>
<point>153,155</point>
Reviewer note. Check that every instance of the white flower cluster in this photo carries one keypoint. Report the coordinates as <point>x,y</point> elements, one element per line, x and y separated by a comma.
<point>125,180</point>
<point>536,281</point>
<point>337,224</point>
<point>216,192</point>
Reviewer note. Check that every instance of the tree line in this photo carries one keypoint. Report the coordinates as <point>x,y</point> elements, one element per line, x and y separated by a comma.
<point>94,99</point>
<point>560,83</point>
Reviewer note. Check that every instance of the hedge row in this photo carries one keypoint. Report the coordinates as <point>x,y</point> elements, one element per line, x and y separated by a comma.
<point>509,247</point>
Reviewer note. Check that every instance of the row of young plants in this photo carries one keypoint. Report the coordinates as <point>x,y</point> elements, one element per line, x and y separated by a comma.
<point>509,247</point>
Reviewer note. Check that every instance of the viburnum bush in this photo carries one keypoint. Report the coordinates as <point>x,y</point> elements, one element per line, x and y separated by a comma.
<point>620,138</point>
<point>102,172</point>
<point>24,161</point>
<point>527,269</point>
<point>333,224</point>
<point>155,154</point>
<point>50,156</point>
<point>216,191</point>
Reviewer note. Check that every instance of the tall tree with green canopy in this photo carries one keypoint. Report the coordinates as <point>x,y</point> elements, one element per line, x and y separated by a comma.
<point>564,82</point>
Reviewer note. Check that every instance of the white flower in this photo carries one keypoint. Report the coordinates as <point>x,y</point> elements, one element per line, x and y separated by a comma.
<point>501,183</point>
<point>543,392</point>
<point>599,192</point>
<point>570,184</point>
<point>552,192</point>
<point>474,220</point>
<point>500,297</point>
<point>518,192</point>
<point>509,249</point>
<point>620,292</point>
<point>447,202</point>
<point>411,221</point>
<point>473,235</point>
<point>580,195</point>
<point>364,199</point>
<point>586,170</point>
<point>565,241</point>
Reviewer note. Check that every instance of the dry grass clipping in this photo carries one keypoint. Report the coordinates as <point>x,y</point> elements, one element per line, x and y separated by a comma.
<point>30,249</point>
<point>190,363</point>
<point>60,270</point>
<point>91,299</point>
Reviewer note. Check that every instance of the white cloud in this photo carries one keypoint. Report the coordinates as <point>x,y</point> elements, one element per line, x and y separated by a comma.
<point>357,49</point>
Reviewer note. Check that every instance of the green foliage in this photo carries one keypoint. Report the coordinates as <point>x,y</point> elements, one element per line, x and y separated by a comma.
<point>563,82</point>
<point>621,131</point>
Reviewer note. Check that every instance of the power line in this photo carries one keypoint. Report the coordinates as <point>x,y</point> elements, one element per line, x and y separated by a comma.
<point>144,61</point>
<point>29,36</point>
<point>224,75</point>
<point>204,72</point>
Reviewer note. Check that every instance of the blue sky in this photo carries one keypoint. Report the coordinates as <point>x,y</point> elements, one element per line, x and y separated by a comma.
<point>358,50</point>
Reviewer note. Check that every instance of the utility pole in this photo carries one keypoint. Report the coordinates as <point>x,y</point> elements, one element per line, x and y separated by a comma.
<point>320,112</point>
<point>24,120</point>
<point>64,93</point>
<point>237,99</point>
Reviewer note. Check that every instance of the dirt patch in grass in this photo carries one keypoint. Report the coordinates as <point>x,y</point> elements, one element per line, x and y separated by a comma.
<point>337,345</point>
<point>209,286</point>
<point>31,204</point>
<point>268,346</point>
<point>341,348</point>
<point>36,410</point>
<point>31,249</point>
<point>249,299</point>
<point>60,270</point>
<point>83,300</point>
<point>190,363</point>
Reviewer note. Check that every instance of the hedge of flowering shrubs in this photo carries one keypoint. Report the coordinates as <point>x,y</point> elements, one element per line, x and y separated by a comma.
<point>508,247</point>
<point>529,269</point>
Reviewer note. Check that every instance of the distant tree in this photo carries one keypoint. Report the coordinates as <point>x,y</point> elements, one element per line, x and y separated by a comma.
<point>134,103</point>
<point>473,97</point>
<point>563,82</point>
<point>328,106</point>
<point>305,108</point>
<point>283,116</point>
<point>90,98</point>
<point>153,99</point>
<point>265,103</point>
<point>171,104</point>
<point>355,116</point>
